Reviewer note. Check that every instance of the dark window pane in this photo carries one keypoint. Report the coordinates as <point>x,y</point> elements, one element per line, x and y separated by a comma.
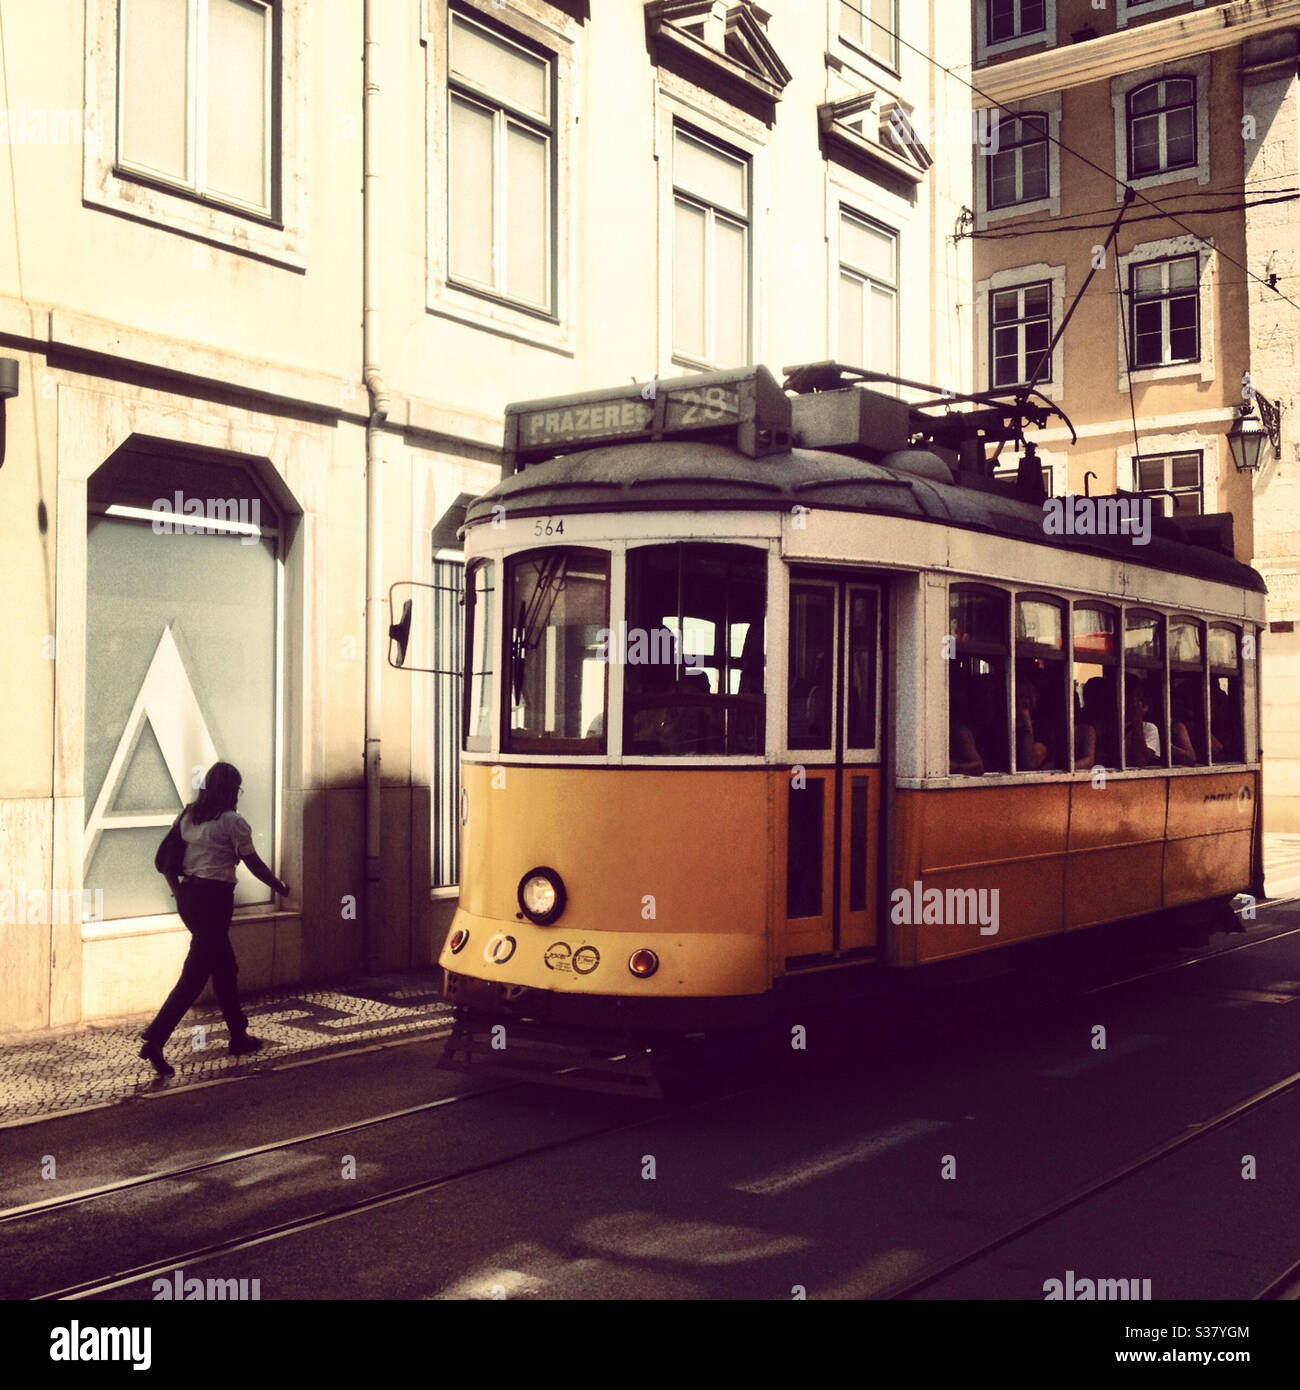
<point>1038,300</point>
<point>1033,16</point>
<point>1186,470</point>
<point>1002,20</point>
<point>1151,473</point>
<point>862,668</point>
<point>1034,172</point>
<point>858,844</point>
<point>1005,304</point>
<point>1002,189</point>
<point>1178,91</point>
<point>1145,98</point>
<point>1182,344</point>
<point>812,636</point>
<point>803,871</point>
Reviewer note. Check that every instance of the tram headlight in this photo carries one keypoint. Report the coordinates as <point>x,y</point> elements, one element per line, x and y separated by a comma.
<point>541,896</point>
<point>643,963</point>
<point>458,939</point>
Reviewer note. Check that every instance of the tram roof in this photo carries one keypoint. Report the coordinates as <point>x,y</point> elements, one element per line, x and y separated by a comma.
<point>693,476</point>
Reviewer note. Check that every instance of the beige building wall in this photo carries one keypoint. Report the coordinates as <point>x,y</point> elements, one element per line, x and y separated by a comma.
<point>143,318</point>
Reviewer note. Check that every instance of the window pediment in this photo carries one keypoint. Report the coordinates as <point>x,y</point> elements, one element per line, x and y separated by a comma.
<point>877,128</point>
<point>728,39</point>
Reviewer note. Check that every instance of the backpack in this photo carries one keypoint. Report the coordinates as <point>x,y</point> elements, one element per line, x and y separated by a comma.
<point>170,858</point>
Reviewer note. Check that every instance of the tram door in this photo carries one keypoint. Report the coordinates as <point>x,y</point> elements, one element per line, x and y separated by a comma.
<point>833,742</point>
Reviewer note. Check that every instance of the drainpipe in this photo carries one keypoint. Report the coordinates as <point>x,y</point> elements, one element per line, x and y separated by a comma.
<point>379,406</point>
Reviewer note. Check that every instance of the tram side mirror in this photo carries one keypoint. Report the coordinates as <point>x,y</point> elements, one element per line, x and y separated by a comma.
<point>400,633</point>
<point>424,633</point>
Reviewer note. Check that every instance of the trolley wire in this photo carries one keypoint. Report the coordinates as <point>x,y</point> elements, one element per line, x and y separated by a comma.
<point>1083,158</point>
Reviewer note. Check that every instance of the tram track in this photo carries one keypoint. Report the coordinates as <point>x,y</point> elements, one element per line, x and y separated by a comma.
<point>201,1252</point>
<point>941,1270</point>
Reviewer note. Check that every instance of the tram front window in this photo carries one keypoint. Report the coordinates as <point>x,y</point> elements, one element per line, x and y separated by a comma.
<point>693,664</point>
<point>558,606</point>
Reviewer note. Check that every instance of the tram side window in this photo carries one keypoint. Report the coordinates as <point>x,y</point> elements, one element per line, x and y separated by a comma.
<point>1144,689</point>
<point>480,655</point>
<point>1096,688</point>
<point>1227,743</point>
<point>1041,726</point>
<point>1187,742</point>
<point>979,625</point>
<point>694,665</point>
<point>558,606</point>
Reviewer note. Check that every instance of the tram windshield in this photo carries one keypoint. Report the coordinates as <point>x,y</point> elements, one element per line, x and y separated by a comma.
<point>693,680</point>
<point>557,602</point>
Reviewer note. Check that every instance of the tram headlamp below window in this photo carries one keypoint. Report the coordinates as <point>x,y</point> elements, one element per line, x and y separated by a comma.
<point>458,939</point>
<point>643,963</point>
<point>541,895</point>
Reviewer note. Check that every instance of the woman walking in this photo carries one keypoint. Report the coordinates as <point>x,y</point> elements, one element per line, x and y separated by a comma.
<point>216,838</point>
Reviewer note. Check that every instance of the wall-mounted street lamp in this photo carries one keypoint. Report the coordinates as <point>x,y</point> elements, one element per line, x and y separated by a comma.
<point>1248,433</point>
<point>8,390</point>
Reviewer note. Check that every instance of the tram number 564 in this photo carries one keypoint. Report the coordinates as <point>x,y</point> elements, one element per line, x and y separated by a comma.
<point>548,526</point>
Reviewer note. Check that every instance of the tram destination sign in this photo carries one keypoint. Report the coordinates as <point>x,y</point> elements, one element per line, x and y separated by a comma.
<point>744,408</point>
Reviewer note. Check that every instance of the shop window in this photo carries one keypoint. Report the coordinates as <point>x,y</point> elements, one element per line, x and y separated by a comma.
<point>182,599</point>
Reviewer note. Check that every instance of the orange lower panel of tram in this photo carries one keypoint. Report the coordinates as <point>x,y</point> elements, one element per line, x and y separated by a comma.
<point>1070,855</point>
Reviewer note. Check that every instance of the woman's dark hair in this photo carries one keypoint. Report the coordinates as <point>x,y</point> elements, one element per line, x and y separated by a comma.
<point>219,793</point>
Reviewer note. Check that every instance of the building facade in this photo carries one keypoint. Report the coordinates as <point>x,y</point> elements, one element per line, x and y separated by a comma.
<point>274,272</point>
<point>1192,317</point>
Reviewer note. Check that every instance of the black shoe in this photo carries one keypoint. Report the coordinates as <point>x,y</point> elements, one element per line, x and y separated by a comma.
<point>245,1043</point>
<point>152,1053</point>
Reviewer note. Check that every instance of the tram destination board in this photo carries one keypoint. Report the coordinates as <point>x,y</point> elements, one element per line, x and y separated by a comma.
<point>744,408</point>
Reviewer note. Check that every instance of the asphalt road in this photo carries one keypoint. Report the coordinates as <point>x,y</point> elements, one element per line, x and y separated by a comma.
<point>975,1145</point>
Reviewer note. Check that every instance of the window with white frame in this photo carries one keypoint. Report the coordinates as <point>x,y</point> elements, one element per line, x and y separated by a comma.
<point>1162,126</point>
<point>1020,327</point>
<point>710,295</point>
<point>872,25</point>
<point>1165,305</point>
<point>501,166</point>
<point>1010,473</point>
<point>1012,19</point>
<point>1176,474</point>
<point>197,98</point>
<point>868,302</point>
<point>1018,167</point>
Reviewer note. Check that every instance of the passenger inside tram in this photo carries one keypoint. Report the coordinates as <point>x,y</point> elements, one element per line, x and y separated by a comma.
<point>1142,737</point>
<point>1185,740</point>
<point>1096,713</point>
<point>1031,752</point>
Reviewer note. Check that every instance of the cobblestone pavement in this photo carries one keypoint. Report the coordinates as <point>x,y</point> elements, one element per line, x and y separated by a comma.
<point>91,1064</point>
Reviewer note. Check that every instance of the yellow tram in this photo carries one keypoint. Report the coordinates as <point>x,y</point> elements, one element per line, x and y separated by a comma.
<point>764,685</point>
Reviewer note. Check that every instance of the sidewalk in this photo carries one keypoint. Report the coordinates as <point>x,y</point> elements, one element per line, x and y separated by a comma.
<point>86,1065</point>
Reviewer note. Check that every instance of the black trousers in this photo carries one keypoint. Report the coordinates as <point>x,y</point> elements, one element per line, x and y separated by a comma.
<point>205,906</point>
